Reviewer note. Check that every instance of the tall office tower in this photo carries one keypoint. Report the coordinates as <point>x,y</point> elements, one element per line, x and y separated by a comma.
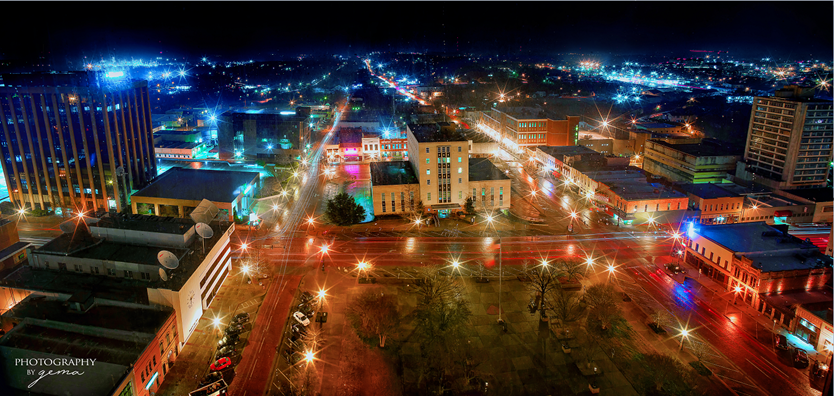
<point>75,140</point>
<point>789,140</point>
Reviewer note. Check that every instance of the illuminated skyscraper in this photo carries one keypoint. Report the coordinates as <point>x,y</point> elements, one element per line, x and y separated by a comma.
<point>75,140</point>
<point>789,140</point>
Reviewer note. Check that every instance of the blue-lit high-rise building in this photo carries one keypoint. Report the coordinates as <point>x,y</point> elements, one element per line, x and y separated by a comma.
<point>75,140</point>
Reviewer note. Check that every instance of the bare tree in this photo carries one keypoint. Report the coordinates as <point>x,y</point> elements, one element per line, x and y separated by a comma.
<point>600,294</point>
<point>571,268</point>
<point>699,349</point>
<point>565,307</point>
<point>603,306</point>
<point>433,285</point>
<point>375,315</point>
<point>543,279</point>
<point>660,319</point>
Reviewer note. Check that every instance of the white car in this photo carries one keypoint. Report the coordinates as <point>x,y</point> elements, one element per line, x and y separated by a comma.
<point>301,318</point>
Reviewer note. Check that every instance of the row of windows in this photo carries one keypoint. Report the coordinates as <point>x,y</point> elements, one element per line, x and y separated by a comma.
<point>531,124</point>
<point>533,136</point>
<point>712,207</point>
<point>442,149</point>
<point>173,156</point>
<point>95,270</point>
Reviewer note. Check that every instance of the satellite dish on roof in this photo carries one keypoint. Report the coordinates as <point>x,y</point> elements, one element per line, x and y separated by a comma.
<point>204,230</point>
<point>120,171</point>
<point>163,275</point>
<point>168,259</point>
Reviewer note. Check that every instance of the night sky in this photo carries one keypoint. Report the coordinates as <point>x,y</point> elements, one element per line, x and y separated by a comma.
<point>264,30</point>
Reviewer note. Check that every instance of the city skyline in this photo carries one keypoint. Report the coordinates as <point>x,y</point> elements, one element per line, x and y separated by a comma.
<point>196,30</point>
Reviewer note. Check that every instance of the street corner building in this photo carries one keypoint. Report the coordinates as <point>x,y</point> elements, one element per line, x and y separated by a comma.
<point>178,191</point>
<point>111,264</point>
<point>86,347</point>
<point>447,176</point>
<point>75,140</point>
<point>781,276</point>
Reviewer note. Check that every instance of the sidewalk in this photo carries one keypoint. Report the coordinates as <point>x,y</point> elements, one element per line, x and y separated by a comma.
<point>647,341</point>
<point>756,324</point>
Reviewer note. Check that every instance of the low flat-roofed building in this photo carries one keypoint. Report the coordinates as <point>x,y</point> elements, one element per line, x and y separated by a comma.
<point>394,187</point>
<point>480,145</point>
<point>117,259</point>
<point>706,162</point>
<point>758,259</point>
<point>713,204</point>
<point>123,349</point>
<point>626,195</point>
<point>179,150</point>
<point>813,324</point>
<point>489,186</point>
<point>821,197</point>
<point>562,161</point>
<point>777,209</point>
<point>178,191</point>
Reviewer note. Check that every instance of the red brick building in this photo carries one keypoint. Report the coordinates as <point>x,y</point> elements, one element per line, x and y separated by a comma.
<point>764,262</point>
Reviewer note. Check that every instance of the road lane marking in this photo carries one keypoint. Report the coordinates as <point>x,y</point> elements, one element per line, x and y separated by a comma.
<point>757,367</point>
<point>740,382</point>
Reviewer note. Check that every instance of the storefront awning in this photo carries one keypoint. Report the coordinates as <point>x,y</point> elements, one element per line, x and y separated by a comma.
<point>782,213</point>
<point>445,206</point>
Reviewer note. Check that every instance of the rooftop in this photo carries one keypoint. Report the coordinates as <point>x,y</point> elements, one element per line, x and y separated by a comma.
<point>524,113</point>
<point>766,246</point>
<point>392,173</point>
<point>63,342</point>
<point>654,125</point>
<point>707,148</point>
<point>785,301</point>
<point>81,244</point>
<point>198,184</point>
<point>482,169</point>
<point>140,319</point>
<point>475,136</point>
<point>708,191</point>
<point>559,151</point>
<point>821,194</point>
<point>166,144</point>
<point>426,133</point>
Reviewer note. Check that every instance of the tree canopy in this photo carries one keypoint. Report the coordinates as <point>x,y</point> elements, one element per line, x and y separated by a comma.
<point>343,210</point>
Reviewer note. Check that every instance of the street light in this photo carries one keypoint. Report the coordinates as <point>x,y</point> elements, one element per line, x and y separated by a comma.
<point>322,294</point>
<point>737,290</point>
<point>684,334</point>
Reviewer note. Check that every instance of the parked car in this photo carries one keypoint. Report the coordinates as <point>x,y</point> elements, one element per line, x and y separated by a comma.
<point>226,351</point>
<point>228,339</point>
<point>301,318</point>
<point>306,296</point>
<point>297,328</point>
<point>221,364</point>
<point>800,358</point>
<point>242,317</point>
<point>780,342</point>
<point>211,378</point>
<point>234,329</point>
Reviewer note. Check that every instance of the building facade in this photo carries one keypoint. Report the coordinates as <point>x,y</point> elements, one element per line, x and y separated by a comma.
<point>64,137</point>
<point>789,140</point>
<point>244,134</point>
<point>515,128</point>
<point>760,260</point>
<point>705,162</point>
<point>440,159</point>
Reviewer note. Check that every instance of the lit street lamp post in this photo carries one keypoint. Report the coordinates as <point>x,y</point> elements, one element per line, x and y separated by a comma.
<point>684,334</point>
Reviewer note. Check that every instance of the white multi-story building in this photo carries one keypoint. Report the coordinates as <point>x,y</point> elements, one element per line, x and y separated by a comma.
<point>789,140</point>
